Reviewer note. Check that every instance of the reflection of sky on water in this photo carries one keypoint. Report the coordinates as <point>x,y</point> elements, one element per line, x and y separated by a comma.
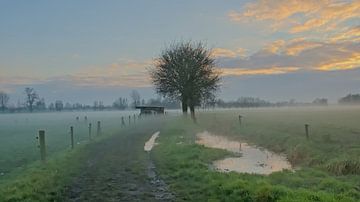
<point>252,160</point>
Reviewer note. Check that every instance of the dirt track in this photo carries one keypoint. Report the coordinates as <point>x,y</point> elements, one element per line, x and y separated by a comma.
<point>118,169</point>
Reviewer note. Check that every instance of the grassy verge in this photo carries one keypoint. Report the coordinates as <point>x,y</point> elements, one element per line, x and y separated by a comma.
<point>43,182</point>
<point>53,180</point>
<point>49,181</point>
<point>185,165</point>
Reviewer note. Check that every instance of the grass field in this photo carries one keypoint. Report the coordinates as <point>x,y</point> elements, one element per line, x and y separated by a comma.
<point>18,132</point>
<point>35,181</point>
<point>327,165</point>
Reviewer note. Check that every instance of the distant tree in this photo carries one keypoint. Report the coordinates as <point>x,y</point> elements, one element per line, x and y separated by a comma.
<point>120,103</point>
<point>350,99</point>
<point>40,104</point>
<point>77,106</point>
<point>4,99</point>
<point>31,97</point>
<point>59,105</point>
<point>320,101</point>
<point>135,96</point>
<point>186,72</point>
<point>170,103</point>
<point>68,106</point>
<point>51,106</point>
<point>95,105</point>
<point>154,102</point>
<point>101,105</point>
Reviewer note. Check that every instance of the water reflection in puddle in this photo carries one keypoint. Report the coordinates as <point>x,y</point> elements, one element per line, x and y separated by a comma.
<point>252,159</point>
<point>151,142</point>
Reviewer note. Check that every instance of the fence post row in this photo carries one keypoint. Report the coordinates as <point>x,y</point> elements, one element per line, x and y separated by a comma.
<point>307,131</point>
<point>42,145</point>
<point>89,131</point>
<point>98,128</point>
<point>72,136</point>
<point>122,121</point>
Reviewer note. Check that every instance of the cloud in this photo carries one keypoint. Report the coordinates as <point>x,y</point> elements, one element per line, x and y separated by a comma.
<point>329,16</point>
<point>274,46</point>
<point>296,46</point>
<point>125,73</point>
<point>21,80</point>
<point>222,52</point>
<point>298,15</point>
<point>350,34</point>
<point>295,55</point>
<point>352,61</point>
<point>263,71</point>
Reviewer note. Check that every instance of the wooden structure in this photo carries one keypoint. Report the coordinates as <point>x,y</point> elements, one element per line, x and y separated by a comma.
<point>151,109</point>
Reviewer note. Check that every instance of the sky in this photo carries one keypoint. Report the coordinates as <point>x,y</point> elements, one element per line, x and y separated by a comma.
<point>87,50</point>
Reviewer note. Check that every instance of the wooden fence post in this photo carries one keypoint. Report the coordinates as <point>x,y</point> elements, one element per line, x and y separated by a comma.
<point>72,136</point>
<point>307,131</point>
<point>98,131</point>
<point>89,131</point>
<point>42,145</point>
<point>240,117</point>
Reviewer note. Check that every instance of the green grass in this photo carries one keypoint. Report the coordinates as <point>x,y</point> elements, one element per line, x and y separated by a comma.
<point>327,163</point>
<point>37,181</point>
<point>43,182</point>
<point>18,132</point>
<point>334,139</point>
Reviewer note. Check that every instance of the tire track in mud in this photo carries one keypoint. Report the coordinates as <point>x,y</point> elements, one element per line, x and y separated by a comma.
<point>118,169</point>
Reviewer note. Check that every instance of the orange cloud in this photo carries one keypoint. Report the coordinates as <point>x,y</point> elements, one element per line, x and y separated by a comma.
<point>222,52</point>
<point>261,71</point>
<point>351,62</point>
<point>275,46</point>
<point>299,15</point>
<point>125,73</point>
<point>296,46</point>
<point>291,47</point>
<point>330,15</point>
<point>351,34</point>
<point>297,53</point>
<point>275,10</point>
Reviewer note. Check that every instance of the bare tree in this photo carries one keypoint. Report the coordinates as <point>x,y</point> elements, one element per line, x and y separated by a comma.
<point>186,72</point>
<point>135,96</point>
<point>4,99</point>
<point>31,97</point>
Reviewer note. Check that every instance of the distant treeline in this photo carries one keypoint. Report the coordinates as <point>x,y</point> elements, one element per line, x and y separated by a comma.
<point>350,99</point>
<point>247,102</point>
<point>33,102</point>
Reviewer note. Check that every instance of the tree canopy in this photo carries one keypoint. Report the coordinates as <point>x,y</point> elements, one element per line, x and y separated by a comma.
<point>186,71</point>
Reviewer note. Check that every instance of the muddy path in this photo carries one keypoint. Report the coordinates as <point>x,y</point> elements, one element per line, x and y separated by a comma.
<point>118,169</point>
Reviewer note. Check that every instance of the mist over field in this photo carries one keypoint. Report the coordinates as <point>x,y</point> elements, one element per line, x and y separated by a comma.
<point>255,101</point>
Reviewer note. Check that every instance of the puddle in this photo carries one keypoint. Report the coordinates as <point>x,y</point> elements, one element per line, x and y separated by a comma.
<point>252,160</point>
<point>151,142</point>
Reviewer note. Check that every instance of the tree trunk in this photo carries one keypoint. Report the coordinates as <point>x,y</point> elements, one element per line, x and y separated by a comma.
<point>184,104</point>
<point>192,111</point>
